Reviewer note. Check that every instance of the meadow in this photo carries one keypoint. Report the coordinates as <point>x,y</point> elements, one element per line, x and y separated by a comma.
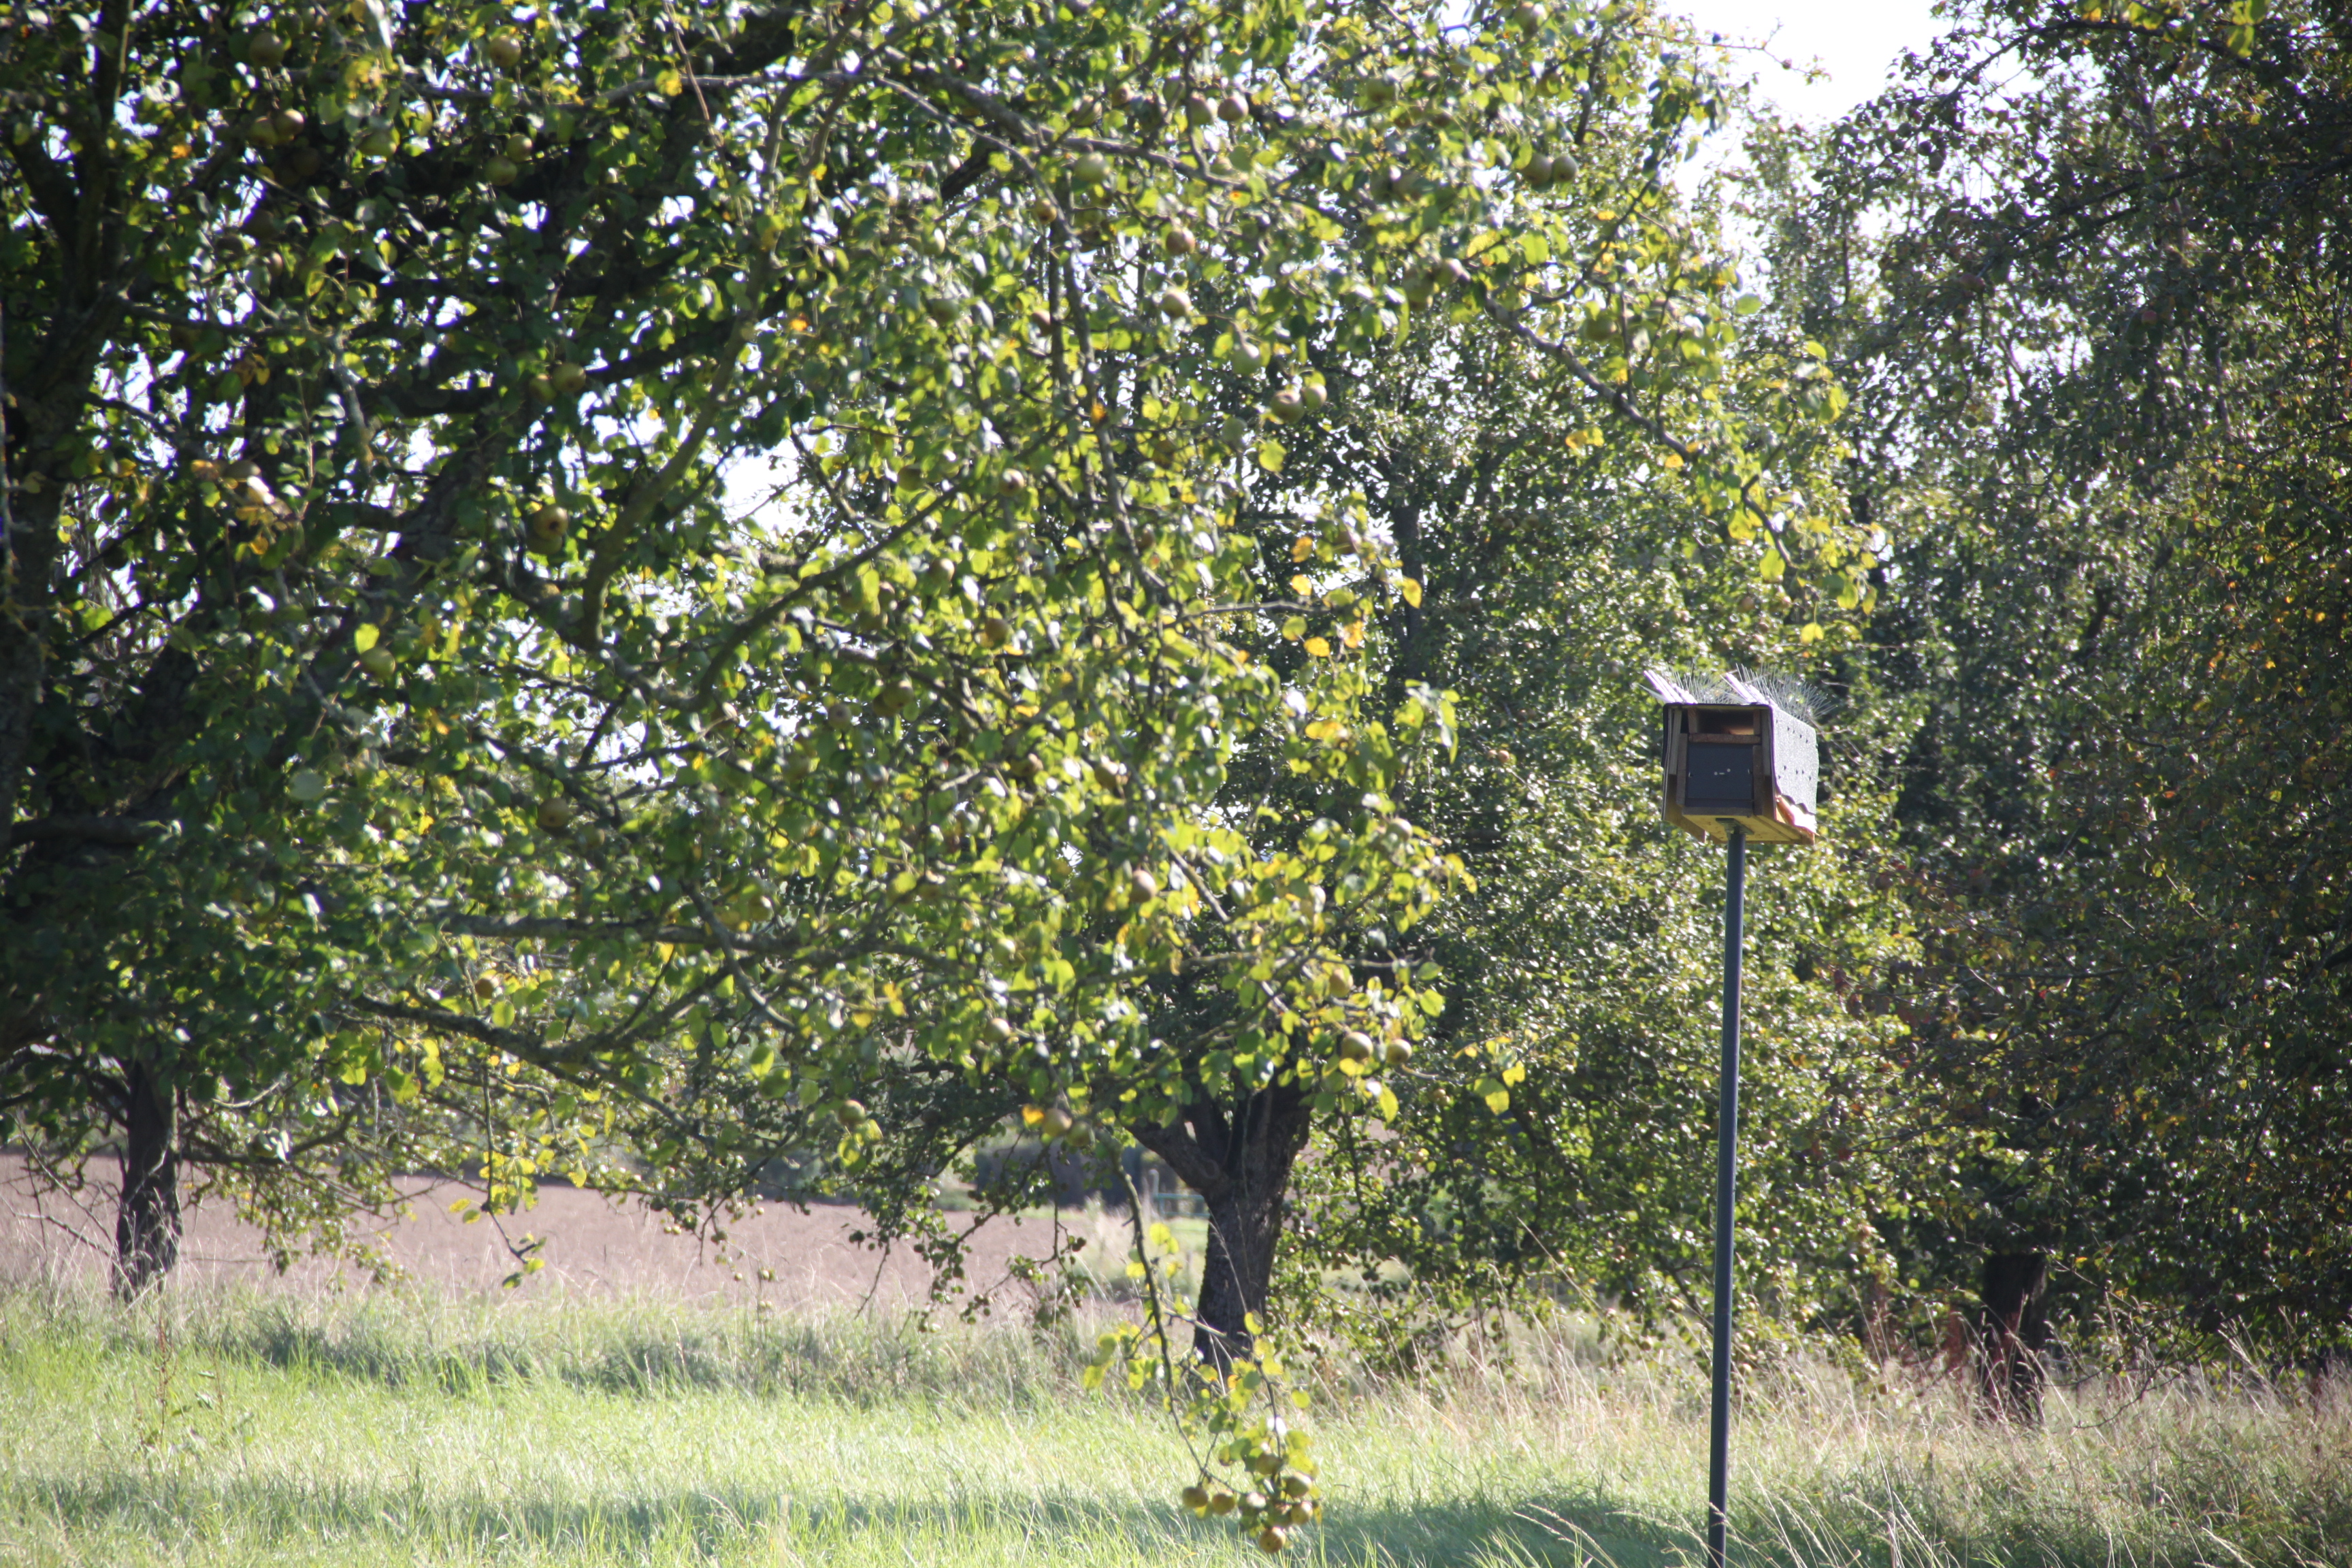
<point>217,1424</point>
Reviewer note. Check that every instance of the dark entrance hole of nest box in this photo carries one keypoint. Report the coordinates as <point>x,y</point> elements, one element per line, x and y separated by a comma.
<point>1721,777</point>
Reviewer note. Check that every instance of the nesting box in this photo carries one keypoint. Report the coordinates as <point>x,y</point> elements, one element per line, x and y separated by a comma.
<point>1733,755</point>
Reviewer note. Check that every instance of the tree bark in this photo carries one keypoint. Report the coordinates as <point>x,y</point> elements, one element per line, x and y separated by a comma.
<point>1240,1163</point>
<point>2015,1334</point>
<point>147,1217</point>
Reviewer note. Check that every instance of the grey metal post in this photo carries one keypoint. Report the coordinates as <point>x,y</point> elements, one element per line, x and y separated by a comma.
<point>1726,1188</point>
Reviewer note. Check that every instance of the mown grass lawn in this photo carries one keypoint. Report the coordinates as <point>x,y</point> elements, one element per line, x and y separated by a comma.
<point>413,1430</point>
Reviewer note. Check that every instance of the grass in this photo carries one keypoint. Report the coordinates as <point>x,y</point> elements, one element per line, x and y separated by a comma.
<point>405,1429</point>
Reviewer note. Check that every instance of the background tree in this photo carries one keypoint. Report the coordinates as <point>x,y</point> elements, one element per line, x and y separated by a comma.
<point>2095,335</point>
<point>1583,971</point>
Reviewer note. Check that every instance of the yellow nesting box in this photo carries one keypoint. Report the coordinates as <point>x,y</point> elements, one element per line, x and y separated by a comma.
<point>1744,760</point>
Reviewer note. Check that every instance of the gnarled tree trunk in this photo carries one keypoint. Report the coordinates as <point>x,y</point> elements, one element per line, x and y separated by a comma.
<point>147,1218</point>
<point>1239,1161</point>
<point>2015,1333</point>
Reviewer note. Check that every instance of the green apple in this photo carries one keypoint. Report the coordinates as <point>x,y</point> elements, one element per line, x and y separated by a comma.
<point>546,527</point>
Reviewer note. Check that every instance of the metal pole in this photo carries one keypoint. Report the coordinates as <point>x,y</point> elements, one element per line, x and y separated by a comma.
<point>1727,1187</point>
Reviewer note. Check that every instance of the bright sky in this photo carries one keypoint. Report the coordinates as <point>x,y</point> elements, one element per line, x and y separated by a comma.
<point>1853,40</point>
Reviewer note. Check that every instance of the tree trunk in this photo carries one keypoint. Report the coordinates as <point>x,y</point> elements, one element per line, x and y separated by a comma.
<point>147,1218</point>
<point>1241,1165</point>
<point>2015,1333</point>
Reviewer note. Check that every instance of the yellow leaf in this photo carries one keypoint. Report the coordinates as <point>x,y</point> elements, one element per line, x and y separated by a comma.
<point>1319,648</point>
<point>1813,632</point>
<point>1499,1102</point>
<point>1300,585</point>
<point>1301,548</point>
<point>1352,633</point>
<point>1411,590</point>
<point>365,638</point>
<point>1031,1115</point>
<point>1673,459</point>
<point>671,83</point>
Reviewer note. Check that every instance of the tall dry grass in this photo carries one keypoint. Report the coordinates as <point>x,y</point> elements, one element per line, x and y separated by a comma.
<point>231,1425</point>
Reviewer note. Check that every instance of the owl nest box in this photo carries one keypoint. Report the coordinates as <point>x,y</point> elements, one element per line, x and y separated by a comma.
<point>1735,757</point>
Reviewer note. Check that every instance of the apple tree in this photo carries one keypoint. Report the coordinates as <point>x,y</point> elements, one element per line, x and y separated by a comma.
<point>413,737</point>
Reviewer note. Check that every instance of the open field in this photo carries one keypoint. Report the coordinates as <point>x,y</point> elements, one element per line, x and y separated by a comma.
<point>590,1246</point>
